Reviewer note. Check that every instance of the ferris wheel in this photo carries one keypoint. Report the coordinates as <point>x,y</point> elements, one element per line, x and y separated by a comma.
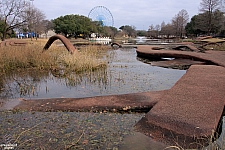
<point>101,14</point>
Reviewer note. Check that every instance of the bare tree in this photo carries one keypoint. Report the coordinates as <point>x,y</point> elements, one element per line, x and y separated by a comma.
<point>34,19</point>
<point>109,31</point>
<point>208,7</point>
<point>38,17</point>
<point>151,31</point>
<point>11,12</point>
<point>19,14</point>
<point>163,24</point>
<point>48,25</point>
<point>157,28</point>
<point>179,22</point>
<point>167,30</point>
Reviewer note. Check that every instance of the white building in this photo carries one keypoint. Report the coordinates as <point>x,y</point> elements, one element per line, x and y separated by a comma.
<point>49,34</point>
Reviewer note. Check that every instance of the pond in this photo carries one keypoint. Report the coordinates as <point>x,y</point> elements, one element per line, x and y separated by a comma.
<point>125,74</point>
<point>82,130</point>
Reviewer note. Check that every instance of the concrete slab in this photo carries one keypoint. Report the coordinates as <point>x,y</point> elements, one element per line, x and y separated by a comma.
<point>211,57</point>
<point>191,110</point>
<point>127,102</point>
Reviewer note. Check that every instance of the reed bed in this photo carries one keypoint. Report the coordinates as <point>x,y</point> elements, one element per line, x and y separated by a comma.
<point>90,58</point>
<point>32,56</point>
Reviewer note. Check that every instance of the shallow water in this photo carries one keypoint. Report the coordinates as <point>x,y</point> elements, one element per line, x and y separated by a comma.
<point>125,74</point>
<point>65,130</point>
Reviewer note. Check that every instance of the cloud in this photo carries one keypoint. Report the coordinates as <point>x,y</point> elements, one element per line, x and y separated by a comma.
<point>139,13</point>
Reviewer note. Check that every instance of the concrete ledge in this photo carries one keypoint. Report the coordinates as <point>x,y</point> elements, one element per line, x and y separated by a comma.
<point>127,102</point>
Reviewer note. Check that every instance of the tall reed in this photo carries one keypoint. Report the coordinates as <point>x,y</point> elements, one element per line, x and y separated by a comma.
<point>89,58</point>
<point>31,56</point>
<point>23,57</point>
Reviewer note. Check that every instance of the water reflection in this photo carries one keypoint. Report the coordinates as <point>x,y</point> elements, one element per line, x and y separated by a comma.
<point>124,74</point>
<point>18,84</point>
<point>142,40</point>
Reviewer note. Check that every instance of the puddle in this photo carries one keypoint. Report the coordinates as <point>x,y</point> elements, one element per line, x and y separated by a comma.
<point>9,104</point>
<point>140,141</point>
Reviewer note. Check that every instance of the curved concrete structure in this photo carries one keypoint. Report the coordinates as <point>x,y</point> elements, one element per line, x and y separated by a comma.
<point>190,47</point>
<point>210,57</point>
<point>114,43</point>
<point>13,43</point>
<point>64,40</point>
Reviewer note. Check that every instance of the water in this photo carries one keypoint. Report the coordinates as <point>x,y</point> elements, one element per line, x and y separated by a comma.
<point>125,74</point>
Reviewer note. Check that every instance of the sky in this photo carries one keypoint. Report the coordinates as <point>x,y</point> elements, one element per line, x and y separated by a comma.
<point>138,13</point>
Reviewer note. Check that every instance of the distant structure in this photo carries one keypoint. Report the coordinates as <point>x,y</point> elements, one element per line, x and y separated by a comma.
<point>47,35</point>
<point>102,15</point>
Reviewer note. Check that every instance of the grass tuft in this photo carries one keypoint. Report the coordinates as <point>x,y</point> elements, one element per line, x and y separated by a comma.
<point>89,59</point>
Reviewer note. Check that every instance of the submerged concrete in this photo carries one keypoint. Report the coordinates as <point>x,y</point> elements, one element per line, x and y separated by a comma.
<point>127,102</point>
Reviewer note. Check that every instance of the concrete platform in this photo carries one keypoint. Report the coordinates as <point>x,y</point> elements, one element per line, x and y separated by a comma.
<point>210,57</point>
<point>190,111</point>
<point>115,103</point>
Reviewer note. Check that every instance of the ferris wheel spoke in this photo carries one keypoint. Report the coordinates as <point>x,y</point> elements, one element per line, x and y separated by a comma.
<point>102,14</point>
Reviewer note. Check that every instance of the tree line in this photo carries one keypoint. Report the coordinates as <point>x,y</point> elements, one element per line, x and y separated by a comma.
<point>81,26</point>
<point>22,16</point>
<point>210,21</point>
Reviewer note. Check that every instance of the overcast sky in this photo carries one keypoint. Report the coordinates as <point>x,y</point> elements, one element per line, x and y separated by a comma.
<point>138,13</point>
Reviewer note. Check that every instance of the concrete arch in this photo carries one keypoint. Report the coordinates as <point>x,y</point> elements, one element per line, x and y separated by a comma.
<point>64,40</point>
<point>114,43</point>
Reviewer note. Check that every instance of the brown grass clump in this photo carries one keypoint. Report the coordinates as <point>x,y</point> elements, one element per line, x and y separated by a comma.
<point>218,46</point>
<point>32,56</point>
<point>89,58</point>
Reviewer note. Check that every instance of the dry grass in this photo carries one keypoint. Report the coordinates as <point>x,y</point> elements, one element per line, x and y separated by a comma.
<point>31,56</point>
<point>214,40</point>
<point>90,58</point>
<point>219,46</point>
